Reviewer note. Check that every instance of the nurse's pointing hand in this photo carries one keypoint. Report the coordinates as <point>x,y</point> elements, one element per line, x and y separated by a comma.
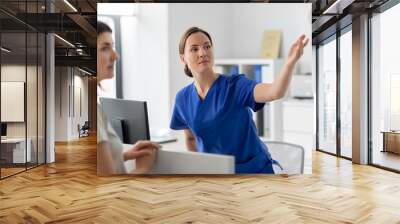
<point>297,49</point>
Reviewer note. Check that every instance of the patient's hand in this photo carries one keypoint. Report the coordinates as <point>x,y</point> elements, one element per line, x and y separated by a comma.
<point>144,152</point>
<point>145,163</point>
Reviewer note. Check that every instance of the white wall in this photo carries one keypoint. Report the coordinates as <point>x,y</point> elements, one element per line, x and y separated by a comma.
<point>85,99</point>
<point>236,30</point>
<point>17,73</point>
<point>80,83</point>
<point>66,122</point>
<point>61,103</point>
<point>150,59</point>
<point>145,60</point>
<point>251,20</point>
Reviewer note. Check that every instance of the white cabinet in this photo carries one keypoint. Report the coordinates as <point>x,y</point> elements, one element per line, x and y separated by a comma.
<point>262,70</point>
<point>20,155</point>
<point>298,123</point>
<point>15,148</point>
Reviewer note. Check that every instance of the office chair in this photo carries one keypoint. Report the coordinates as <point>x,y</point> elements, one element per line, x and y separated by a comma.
<point>290,156</point>
<point>84,130</point>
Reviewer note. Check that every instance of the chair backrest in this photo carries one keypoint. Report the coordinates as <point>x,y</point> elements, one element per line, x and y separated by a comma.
<point>290,156</point>
<point>86,124</point>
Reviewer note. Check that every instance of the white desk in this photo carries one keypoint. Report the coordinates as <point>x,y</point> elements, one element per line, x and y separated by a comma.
<point>277,153</point>
<point>17,147</point>
<point>174,158</point>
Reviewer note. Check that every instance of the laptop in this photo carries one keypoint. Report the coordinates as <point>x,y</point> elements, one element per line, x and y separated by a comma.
<point>129,119</point>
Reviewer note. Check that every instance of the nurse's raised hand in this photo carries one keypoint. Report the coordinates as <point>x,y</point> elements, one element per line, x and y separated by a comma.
<point>297,49</point>
<point>267,92</point>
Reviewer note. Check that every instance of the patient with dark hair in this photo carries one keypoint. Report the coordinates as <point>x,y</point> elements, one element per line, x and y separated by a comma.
<point>110,154</point>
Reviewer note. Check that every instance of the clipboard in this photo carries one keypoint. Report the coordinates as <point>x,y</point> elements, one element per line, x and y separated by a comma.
<point>271,44</point>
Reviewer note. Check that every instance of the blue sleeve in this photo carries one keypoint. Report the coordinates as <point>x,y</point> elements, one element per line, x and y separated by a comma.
<point>244,88</point>
<point>178,121</point>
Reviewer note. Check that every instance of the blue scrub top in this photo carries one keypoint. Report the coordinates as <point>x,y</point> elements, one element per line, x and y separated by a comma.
<point>222,123</point>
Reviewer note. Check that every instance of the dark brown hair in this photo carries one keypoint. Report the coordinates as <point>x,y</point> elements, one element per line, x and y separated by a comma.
<point>102,27</point>
<point>182,44</point>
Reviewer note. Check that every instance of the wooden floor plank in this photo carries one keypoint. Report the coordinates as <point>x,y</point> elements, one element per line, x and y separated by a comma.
<point>69,191</point>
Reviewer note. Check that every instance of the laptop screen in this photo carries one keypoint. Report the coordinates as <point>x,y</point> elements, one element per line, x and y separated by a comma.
<point>128,118</point>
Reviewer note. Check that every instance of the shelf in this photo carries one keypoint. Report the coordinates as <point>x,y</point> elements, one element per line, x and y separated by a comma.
<point>269,120</point>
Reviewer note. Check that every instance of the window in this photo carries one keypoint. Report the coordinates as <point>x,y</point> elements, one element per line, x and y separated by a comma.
<point>346,94</point>
<point>327,96</point>
<point>385,88</point>
<point>22,87</point>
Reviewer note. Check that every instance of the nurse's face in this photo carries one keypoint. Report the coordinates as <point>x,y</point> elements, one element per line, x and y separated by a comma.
<point>198,54</point>
<point>106,56</point>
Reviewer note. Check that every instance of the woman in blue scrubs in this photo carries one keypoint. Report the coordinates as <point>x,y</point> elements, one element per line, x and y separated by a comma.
<point>215,110</point>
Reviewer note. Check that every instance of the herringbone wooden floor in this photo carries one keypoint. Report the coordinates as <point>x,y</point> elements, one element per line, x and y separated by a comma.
<point>70,192</point>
